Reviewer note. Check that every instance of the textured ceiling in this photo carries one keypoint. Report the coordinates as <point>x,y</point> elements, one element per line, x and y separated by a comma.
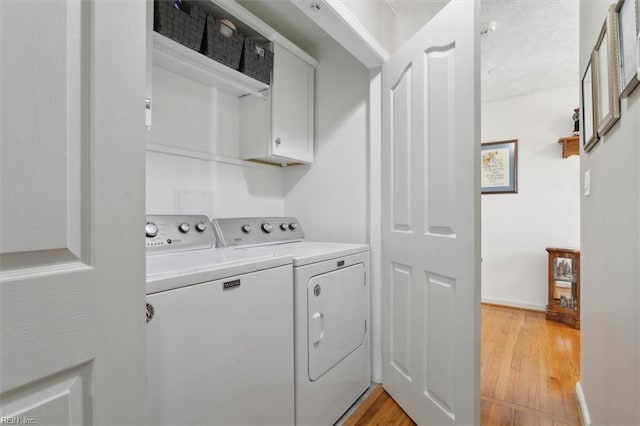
<point>533,48</point>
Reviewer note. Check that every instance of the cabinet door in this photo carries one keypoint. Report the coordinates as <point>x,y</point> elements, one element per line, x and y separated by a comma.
<point>292,107</point>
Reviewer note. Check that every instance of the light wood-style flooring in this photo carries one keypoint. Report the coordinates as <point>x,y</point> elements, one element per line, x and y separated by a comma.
<point>529,368</point>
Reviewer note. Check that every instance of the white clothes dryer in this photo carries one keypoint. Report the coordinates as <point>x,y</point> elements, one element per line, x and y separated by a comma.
<point>331,293</point>
<point>219,329</point>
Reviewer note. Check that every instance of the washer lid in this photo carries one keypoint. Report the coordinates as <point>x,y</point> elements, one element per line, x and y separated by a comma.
<point>173,270</point>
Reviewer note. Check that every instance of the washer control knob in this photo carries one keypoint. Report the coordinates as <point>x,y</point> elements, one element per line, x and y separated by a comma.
<point>201,226</point>
<point>284,226</point>
<point>293,226</point>
<point>151,229</point>
<point>267,227</point>
<point>184,227</point>
<point>246,228</point>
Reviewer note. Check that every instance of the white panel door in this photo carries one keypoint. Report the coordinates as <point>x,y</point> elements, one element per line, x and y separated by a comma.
<point>430,220</point>
<point>72,284</point>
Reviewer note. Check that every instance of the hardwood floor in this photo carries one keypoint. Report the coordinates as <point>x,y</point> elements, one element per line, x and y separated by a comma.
<point>529,368</point>
<point>379,409</point>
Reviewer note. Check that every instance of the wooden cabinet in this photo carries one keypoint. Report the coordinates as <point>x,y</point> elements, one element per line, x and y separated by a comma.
<point>278,128</point>
<point>564,286</point>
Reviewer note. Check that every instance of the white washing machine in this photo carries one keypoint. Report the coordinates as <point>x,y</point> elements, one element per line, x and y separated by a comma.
<point>219,329</point>
<point>331,291</point>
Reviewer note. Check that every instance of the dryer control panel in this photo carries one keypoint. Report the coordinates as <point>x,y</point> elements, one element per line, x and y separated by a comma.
<point>256,230</point>
<point>178,232</point>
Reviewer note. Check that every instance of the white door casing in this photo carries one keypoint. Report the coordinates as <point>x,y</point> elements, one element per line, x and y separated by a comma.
<point>72,285</point>
<point>430,220</point>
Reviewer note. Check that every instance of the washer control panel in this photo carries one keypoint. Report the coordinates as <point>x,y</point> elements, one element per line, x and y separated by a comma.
<point>256,230</point>
<point>178,232</point>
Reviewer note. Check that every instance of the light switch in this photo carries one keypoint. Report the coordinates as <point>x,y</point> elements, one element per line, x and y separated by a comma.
<point>587,183</point>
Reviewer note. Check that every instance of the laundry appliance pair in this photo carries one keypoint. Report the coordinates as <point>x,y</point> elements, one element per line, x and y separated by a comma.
<point>248,323</point>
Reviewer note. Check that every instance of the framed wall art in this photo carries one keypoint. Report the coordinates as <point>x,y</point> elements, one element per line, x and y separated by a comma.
<point>589,120</point>
<point>627,16</point>
<point>638,37</point>
<point>499,167</point>
<point>605,74</point>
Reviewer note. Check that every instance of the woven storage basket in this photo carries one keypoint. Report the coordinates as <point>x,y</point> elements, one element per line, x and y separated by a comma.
<point>226,50</point>
<point>254,64</point>
<point>184,25</point>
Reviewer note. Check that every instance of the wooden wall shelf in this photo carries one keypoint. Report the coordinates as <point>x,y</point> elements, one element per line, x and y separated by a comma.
<point>570,146</point>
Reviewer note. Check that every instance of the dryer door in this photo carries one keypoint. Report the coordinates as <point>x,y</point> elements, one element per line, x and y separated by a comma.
<point>336,303</point>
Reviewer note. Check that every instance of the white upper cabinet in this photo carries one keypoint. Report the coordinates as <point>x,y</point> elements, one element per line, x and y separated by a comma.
<point>279,127</point>
<point>275,120</point>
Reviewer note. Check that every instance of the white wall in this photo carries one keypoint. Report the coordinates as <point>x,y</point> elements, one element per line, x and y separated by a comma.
<point>330,198</point>
<point>545,212</point>
<point>379,19</point>
<point>202,121</point>
<point>237,191</point>
<point>610,234</point>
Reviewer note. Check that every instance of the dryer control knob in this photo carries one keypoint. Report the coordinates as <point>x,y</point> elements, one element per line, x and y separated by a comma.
<point>201,226</point>
<point>246,228</point>
<point>293,226</point>
<point>151,229</point>
<point>267,227</point>
<point>284,226</point>
<point>184,227</point>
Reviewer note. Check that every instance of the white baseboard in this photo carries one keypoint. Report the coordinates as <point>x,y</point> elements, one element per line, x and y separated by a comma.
<point>582,405</point>
<point>513,303</point>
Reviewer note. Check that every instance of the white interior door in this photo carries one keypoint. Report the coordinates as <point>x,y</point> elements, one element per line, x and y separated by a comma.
<point>72,285</point>
<point>430,220</point>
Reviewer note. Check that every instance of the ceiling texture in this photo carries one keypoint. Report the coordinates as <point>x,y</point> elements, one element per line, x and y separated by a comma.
<point>534,46</point>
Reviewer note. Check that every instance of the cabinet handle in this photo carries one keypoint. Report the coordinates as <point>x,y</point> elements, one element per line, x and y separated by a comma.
<point>278,141</point>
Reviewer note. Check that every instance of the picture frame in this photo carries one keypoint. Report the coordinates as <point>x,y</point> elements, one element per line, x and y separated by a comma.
<point>638,43</point>
<point>605,74</point>
<point>589,119</point>
<point>564,269</point>
<point>499,167</point>
<point>627,17</point>
<point>638,36</point>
